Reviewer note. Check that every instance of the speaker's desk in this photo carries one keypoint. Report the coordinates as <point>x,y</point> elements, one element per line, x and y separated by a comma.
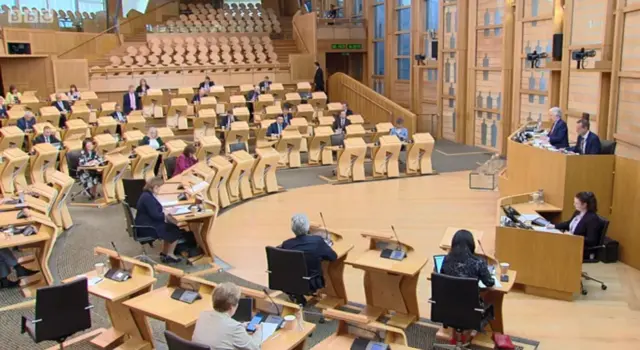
<point>124,326</point>
<point>181,318</point>
<point>390,285</point>
<point>334,292</point>
<point>549,264</point>
<point>42,242</point>
<point>561,176</point>
<point>204,219</point>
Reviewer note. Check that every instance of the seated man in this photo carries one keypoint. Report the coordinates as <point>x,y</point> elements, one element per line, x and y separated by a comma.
<point>7,261</point>
<point>27,122</point>
<point>558,135</point>
<point>588,142</point>
<point>276,128</point>
<point>315,250</point>
<point>206,84</point>
<point>265,84</point>
<point>46,137</point>
<point>340,123</point>
<point>217,328</point>
<point>287,114</point>
<point>63,107</point>
<point>226,121</point>
<point>198,97</point>
<point>345,107</point>
<point>400,131</point>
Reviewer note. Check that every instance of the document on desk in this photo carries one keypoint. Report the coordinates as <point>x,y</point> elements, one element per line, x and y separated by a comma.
<point>179,210</point>
<point>496,282</point>
<point>528,217</point>
<point>544,229</point>
<point>267,330</point>
<point>168,203</point>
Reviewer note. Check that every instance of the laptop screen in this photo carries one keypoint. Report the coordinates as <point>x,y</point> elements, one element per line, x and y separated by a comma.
<point>437,262</point>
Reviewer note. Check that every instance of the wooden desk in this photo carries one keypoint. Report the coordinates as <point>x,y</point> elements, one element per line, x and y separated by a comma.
<point>343,338</point>
<point>124,325</point>
<point>385,157</point>
<point>548,264</point>
<point>334,293</point>
<point>12,170</point>
<point>351,160</point>
<point>11,136</point>
<point>561,176</point>
<point>205,220</point>
<point>419,154</point>
<point>223,167</point>
<point>390,284</point>
<point>143,164</point>
<point>319,151</point>
<point>263,174</point>
<point>238,183</point>
<point>60,212</point>
<point>43,161</point>
<point>289,148</point>
<point>42,243</point>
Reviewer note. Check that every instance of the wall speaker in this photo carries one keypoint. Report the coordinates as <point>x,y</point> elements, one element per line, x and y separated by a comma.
<point>557,47</point>
<point>434,50</point>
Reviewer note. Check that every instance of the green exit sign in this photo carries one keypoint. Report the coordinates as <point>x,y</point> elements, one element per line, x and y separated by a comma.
<point>346,46</point>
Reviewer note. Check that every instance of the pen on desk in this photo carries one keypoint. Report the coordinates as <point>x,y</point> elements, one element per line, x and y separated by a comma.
<point>275,336</point>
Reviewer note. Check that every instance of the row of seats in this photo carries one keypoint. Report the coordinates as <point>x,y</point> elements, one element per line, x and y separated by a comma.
<point>177,52</point>
<point>250,21</point>
<point>194,8</point>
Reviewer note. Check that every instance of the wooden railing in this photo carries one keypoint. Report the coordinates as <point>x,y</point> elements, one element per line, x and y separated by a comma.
<point>112,28</point>
<point>373,107</point>
<point>304,32</point>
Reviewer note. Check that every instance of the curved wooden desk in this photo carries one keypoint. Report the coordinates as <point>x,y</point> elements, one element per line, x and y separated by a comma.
<point>549,264</point>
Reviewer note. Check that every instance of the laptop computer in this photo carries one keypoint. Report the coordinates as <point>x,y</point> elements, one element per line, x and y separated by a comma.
<point>438,260</point>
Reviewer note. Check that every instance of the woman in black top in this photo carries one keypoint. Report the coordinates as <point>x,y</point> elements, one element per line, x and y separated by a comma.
<point>141,90</point>
<point>584,221</point>
<point>462,262</point>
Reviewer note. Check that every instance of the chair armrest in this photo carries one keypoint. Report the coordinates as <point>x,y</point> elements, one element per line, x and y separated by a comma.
<point>23,323</point>
<point>308,278</point>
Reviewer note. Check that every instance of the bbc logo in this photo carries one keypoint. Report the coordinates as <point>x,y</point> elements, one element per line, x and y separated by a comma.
<point>16,17</point>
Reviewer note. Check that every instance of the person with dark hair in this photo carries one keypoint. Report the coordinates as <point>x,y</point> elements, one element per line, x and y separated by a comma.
<point>89,157</point>
<point>588,142</point>
<point>63,107</point>
<point>206,84</point>
<point>276,128</point>
<point>46,137</point>
<point>186,160</point>
<point>461,260</point>
<point>347,110</point>
<point>151,217</point>
<point>584,221</point>
<point>264,85</point>
<point>340,123</point>
<point>73,94</point>
<point>287,114</point>
<point>318,78</point>
<point>13,96</point>
<point>400,131</point>
<point>142,89</point>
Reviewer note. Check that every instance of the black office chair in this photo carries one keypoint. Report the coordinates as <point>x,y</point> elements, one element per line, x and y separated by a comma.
<point>73,162</point>
<point>61,311</point>
<point>608,147</point>
<point>169,165</point>
<point>237,146</point>
<point>593,255</point>
<point>455,302</point>
<point>337,140</point>
<point>132,230</point>
<point>132,191</point>
<point>174,342</point>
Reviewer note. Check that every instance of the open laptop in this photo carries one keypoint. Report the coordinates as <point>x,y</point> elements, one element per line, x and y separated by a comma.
<point>437,262</point>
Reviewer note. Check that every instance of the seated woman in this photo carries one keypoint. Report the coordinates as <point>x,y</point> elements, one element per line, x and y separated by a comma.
<point>218,329</point>
<point>186,160</point>
<point>150,213</point>
<point>462,262</point>
<point>152,139</point>
<point>585,221</point>
<point>89,157</point>
<point>73,94</point>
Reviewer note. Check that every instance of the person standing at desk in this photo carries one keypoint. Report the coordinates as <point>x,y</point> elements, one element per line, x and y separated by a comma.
<point>252,98</point>
<point>64,108</point>
<point>27,122</point>
<point>46,137</point>
<point>315,251</point>
<point>151,215</point>
<point>588,142</point>
<point>7,261</point>
<point>186,160</point>
<point>141,90</point>
<point>218,330</point>
<point>558,135</point>
<point>89,157</point>
<point>131,101</point>
<point>585,221</point>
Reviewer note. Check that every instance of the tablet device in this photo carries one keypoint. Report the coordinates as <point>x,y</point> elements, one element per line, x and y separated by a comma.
<point>437,262</point>
<point>243,312</point>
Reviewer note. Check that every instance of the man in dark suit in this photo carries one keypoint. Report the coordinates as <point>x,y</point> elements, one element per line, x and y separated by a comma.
<point>118,115</point>
<point>276,128</point>
<point>340,123</point>
<point>346,109</point>
<point>46,137</point>
<point>202,92</point>
<point>287,114</point>
<point>27,122</point>
<point>588,142</point>
<point>64,108</point>
<point>318,79</point>
<point>264,85</point>
<point>252,98</point>
<point>315,251</point>
<point>226,121</point>
<point>558,134</point>
<point>206,84</point>
<point>131,101</point>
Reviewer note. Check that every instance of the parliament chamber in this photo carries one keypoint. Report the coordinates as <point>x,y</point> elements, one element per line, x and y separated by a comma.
<point>360,174</point>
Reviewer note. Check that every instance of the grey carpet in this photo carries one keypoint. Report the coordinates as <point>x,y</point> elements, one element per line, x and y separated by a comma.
<point>73,255</point>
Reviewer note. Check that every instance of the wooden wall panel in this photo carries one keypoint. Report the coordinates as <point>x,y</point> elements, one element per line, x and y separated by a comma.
<point>625,219</point>
<point>71,71</point>
<point>538,8</point>
<point>631,42</point>
<point>588,24</point>
<point>401,92</point>
<point>488,110</point>
<point>48,42</point>
<point>28,73</point>
<point>628,125</point>
<point>449,57</point>
<point>428,110</point>
<point>584,96</point>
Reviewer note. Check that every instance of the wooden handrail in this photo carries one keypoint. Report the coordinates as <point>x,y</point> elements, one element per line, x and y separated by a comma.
<point>297,31</point>
<point>106,31</point>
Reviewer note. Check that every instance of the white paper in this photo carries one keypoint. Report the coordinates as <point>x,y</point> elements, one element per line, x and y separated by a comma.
<point>181,209</point>
<point>168,203</point>
<point>267,330</point>
<point>544,229</point>
<point>528,217</point>
<point>93,281</point>
<point>199,186</point>
<point>496,282</point>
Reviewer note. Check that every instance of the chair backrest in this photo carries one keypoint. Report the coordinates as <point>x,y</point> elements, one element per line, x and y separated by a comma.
<point>337,140</point>
<point>170,165</point>
<point>63,310</point>
<point>454,301</point>
<point>604,227</point>
<point>73,161</point>
<point>237,146</point>
<point>287,271</point>
<point>133,190</point>
<point>608,147</point>
<point>174,342</point>
<point>128,217</point>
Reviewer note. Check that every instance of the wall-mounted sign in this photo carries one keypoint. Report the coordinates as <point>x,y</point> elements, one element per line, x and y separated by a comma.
<point>346,46</point>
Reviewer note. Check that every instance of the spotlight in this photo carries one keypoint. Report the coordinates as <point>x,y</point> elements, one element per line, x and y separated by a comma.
<point>581,56</point>
<point>420,58</point>
<point>535,57</point>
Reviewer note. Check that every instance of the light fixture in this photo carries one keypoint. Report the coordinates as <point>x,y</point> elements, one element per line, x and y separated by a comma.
<point>535,57</point>
<point>581,56</point>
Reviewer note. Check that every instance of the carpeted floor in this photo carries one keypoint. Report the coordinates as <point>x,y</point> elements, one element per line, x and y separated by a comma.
<point>73,255</point>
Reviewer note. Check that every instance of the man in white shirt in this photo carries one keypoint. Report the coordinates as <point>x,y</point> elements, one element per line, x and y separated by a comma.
<point>131,101</point>
<point>219,330</point>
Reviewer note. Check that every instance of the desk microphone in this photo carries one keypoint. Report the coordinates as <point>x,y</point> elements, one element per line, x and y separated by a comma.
<point>394,254</point>
<point>326,233</point>
<point>118,275</point>
<point>264,290</point>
